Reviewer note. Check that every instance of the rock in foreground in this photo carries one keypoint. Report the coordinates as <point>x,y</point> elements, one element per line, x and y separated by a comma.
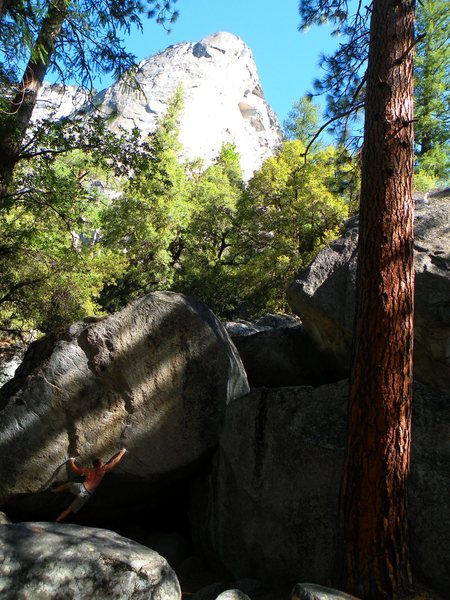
<point>309,591</point>
<point>48,560</point>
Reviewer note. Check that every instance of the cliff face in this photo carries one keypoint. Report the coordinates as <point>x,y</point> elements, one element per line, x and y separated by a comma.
<point>223,100</point>
<point>56,101</point>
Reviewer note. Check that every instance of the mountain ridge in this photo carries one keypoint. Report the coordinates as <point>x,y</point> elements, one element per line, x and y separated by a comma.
<point>223,100</point>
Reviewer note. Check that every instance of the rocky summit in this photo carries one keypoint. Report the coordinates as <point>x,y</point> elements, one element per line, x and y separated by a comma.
<point>223,100</point>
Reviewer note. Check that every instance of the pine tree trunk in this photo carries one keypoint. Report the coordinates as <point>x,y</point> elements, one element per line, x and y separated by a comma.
<point>374,489</point>
<point>15,124</point>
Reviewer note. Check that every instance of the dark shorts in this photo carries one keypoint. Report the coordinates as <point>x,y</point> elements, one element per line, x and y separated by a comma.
<point>82,496</point>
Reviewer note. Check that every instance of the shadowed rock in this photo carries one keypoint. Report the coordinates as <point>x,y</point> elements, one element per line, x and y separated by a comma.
<point>309,591</point>
<point>285,356</point>
<point>268,506</point>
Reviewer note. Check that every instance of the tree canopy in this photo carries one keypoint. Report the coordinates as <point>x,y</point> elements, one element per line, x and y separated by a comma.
<point>344,79</point>
<point>65,36</point>
<point>432,98</point>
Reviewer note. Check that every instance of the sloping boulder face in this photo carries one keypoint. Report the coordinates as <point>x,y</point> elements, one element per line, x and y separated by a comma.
<point>268,506</point>
<point>47,560</point>
<point>155,377</point>
<point>324,294</point>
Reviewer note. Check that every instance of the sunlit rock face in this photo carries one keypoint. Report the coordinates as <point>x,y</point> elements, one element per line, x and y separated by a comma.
<point>56,101</point>
<point>223,100</point>
<point>48,560</point>
<point>154,377</point>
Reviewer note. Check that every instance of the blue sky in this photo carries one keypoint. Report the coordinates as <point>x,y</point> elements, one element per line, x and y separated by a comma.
<point>287,60</point>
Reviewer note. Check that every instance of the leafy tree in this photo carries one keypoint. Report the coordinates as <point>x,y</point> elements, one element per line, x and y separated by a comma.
<point>52,268</point>
<point>286,215</point>
<point>375,551</point>
<point>208,266</point>
<point>243,244</point>
<point>302,120</point>
<point>65,36</point>
<point>147,221</point>
<point>432,99</point>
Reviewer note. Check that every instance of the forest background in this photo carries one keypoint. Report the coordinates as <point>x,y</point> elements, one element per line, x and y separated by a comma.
<point>79,236</point>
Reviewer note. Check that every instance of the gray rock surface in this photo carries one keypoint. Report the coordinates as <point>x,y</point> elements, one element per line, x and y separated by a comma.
<point>264,323</point>
<point>232,595</point>
<point>48,560</point>
<point>210,592</point>
<point>154,377</point>
<point>323,295</point>
<point>55,101</point>
<point>268,507</point>
<point>238,590</point>
<point>223,100</point>
<point>4,519</point>
<point>310,591</point>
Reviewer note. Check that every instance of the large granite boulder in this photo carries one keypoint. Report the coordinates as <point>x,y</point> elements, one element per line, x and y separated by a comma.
<point>268,506</point>
<point>324,294</point>
<point>154,377</point>
<point>48,560</point>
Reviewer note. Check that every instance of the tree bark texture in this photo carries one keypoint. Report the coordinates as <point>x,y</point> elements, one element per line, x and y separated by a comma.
<point>374,488</point>
<point>15,124</point>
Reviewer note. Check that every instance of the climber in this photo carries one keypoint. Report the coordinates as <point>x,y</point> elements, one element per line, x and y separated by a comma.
<point>93,476</point>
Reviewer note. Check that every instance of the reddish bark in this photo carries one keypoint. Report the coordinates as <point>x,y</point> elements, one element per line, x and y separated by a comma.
<point>374,490</point>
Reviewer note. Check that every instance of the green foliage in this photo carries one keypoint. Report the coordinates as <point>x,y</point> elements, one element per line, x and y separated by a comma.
<point>201,232</point>
<point>91,229</point>
<point>432,168</point>
<point>432,77</point>
<point>245,244</point>
<point>53,267</point>
<point>50,276</point>
<point>208,263</point>
<point>146,223</point>
<point>343,81</point>
<point>302,121</point>
<point>287,214</point>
